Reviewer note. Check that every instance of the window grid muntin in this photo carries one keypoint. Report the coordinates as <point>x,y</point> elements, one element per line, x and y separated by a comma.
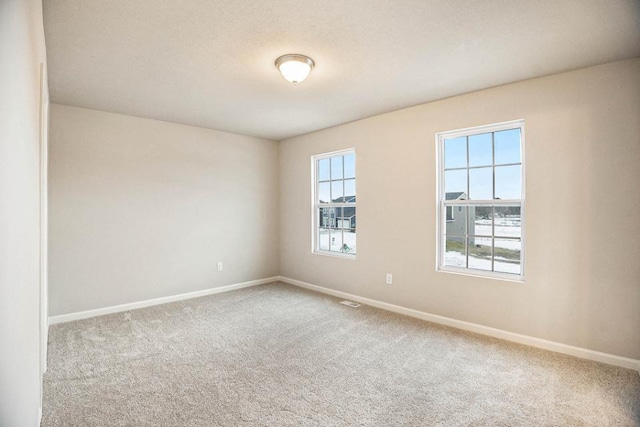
<point>493,164</point>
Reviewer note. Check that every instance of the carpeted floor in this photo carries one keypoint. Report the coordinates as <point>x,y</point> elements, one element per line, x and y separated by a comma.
<point>276,355</point>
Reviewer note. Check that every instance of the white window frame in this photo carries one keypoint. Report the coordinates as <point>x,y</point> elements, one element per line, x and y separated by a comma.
<point>441,216</point>
<point>315,206</point>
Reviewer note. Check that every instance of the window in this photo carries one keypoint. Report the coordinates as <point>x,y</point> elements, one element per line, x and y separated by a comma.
<point>481,174</point>
<point>334,205</point>
<point>450,214</point>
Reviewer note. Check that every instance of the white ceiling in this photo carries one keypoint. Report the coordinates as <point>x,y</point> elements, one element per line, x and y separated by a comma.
<point>210,63</point>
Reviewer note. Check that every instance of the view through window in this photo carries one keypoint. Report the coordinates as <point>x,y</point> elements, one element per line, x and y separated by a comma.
<point>481,200</point>
<point>335,203</point>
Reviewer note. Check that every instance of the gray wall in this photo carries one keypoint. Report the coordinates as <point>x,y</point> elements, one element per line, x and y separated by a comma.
<point>582,283</point>
<point>141,209</point>
<point>21,53</point>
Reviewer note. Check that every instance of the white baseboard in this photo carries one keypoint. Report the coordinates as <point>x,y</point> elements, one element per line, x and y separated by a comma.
<point>557,347</point>
<point>155,301</point>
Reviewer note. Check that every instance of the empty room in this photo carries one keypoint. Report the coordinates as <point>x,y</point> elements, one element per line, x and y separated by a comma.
<point>319,213</point>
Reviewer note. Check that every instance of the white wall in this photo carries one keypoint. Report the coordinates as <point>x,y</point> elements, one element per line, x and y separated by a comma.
<point>582,221</point>
<point>22,52</point>
<point>141,209</point>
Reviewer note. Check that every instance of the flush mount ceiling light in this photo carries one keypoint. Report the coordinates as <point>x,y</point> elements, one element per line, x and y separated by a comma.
<point>294,67</point>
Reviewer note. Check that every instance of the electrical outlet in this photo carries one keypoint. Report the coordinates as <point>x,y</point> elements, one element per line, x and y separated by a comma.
<point>219,266</point>
<point>389,279</point>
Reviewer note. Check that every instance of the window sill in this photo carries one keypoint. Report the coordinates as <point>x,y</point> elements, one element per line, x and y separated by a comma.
<point>335,255</point>
<point>482,274</point>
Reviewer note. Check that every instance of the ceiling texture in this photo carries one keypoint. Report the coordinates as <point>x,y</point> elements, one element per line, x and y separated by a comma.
<point>210,63</point>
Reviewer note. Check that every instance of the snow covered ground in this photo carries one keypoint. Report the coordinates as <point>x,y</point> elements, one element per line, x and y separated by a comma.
<point>504,227</point>
<point>337,240</point>
<point>456,259</point>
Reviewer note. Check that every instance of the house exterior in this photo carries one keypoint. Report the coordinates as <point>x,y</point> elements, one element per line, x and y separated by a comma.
<point>344,217</point>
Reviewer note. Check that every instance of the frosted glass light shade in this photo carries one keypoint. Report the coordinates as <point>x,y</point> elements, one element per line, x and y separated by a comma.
<point>294,68</point>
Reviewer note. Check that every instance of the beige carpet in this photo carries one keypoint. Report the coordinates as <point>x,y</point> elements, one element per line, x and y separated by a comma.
<point>276,355</point>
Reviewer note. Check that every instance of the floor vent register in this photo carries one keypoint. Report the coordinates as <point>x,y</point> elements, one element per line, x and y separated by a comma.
<point>351,303</point>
